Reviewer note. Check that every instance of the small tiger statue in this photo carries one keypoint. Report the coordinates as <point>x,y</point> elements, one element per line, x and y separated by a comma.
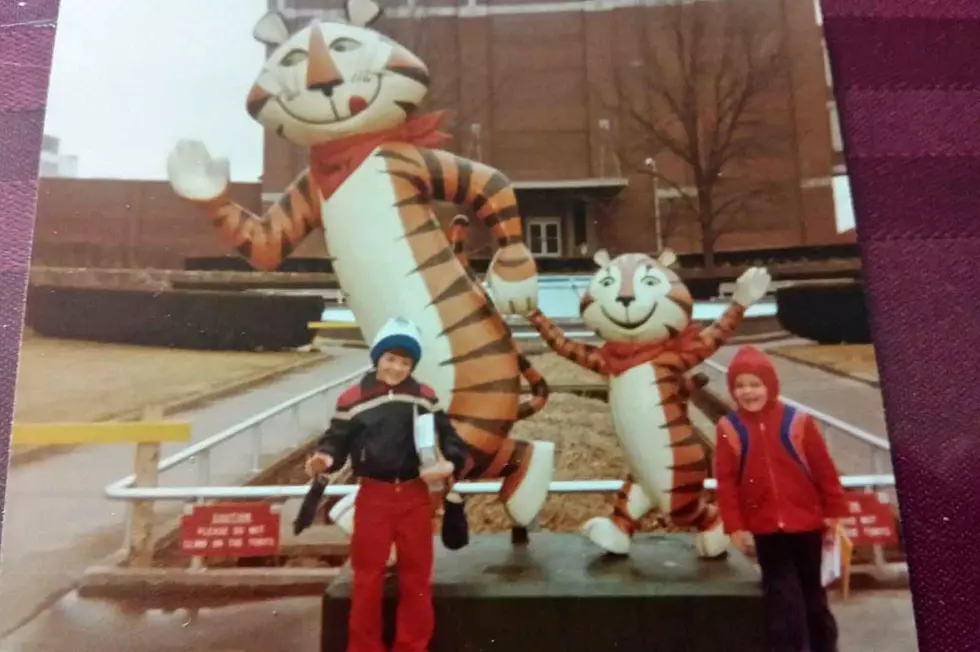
<point>643,312</point>
<point>350,95</point>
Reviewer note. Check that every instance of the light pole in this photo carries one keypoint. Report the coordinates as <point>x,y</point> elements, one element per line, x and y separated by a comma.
<point>652,164</point>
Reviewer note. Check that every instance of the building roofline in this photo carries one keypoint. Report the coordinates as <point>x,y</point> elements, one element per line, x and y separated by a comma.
<point>572,184</point>
<point>476,9</point>
<point>615,183</point>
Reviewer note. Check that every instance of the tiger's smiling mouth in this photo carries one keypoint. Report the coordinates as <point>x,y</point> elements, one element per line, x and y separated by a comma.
<point>630,325</point>
<point>355,105</point>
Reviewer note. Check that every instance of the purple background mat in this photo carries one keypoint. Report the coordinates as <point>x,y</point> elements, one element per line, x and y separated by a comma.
<point>908,87</point>
<point>906,76</point>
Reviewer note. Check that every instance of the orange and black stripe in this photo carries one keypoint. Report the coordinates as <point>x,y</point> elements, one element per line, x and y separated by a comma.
<point>485,401</point>
<point>441,176</point>
<point>583,354</point>
<point>690,465</point>
<point>621,517</point>
<point>458,229</point>
<point>266,241</point>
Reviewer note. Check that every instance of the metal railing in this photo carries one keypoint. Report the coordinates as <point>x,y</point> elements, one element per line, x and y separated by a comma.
<point>880,449</point>
<point>199,454</point>
<point>285,492</point>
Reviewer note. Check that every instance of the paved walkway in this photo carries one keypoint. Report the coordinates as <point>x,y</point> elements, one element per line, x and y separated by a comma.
<point>58,523</point>
<point>869,622</point>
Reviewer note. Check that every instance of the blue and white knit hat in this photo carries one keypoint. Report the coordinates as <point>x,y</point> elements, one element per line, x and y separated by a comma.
<point>397,333</point>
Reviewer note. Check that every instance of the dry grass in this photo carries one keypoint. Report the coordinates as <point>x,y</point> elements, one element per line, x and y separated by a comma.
<point>63,380</point>
<point>852,359</point>
<point>586,448</point>
<point>559,371</point>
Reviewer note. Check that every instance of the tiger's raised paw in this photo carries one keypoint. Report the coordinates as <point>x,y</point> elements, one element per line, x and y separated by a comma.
<point>512,278</point>
<point>751,286</point>
<point>194,175</point>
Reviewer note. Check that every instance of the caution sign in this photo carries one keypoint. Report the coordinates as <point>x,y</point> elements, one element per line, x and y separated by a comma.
<point>230,530</point>
<point>870,520</point>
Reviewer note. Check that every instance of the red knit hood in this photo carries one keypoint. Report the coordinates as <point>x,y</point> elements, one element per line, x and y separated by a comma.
<point>750,360</point>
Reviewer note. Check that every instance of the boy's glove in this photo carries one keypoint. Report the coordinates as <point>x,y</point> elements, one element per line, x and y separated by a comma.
<point>455,528</point>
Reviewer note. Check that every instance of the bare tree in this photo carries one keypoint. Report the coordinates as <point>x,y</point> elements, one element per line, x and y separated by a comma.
<point>700,95</point>
<point>434,41</point>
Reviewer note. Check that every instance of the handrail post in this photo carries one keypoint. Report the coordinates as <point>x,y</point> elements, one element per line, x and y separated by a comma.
<point>141,517</point>
<point>197,561</point>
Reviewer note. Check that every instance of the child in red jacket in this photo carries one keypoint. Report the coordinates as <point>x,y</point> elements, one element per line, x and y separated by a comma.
<point>778,486</point>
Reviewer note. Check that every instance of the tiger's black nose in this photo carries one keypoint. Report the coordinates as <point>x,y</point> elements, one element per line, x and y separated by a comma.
<point>626,301</point>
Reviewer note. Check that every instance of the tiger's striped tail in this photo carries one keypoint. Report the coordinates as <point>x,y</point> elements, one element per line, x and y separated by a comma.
<point>458,230</point>
<point>539,389</point>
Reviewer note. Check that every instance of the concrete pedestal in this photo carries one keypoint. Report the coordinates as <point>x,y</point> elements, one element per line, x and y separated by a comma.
<point>561,594</point>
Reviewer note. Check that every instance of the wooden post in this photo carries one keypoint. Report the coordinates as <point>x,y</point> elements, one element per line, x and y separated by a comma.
<point>145,469</point>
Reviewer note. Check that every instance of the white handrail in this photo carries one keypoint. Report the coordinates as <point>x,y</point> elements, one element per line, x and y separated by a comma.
<point>123,489</point>
<point>205,445</point>
<point>467,488</point>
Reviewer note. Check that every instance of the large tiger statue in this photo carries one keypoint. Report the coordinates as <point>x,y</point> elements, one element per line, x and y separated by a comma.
<point>350,94</point>
<point>643,312</point>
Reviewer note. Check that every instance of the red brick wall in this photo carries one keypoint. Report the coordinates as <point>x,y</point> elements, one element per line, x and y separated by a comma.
<point>113,223</point>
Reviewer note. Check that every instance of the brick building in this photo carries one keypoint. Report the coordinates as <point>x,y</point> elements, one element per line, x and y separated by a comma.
<point>538,91</point>
<point>116,223</point>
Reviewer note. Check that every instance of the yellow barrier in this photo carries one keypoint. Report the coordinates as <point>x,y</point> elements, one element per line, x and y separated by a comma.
<point>112,432</point>
<point>328,325</point>
<point>147,434</point>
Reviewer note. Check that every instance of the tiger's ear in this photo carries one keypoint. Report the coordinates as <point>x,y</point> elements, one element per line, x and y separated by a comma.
<point>362,13</point>
<point>271,29</point>
<point>601,258</point>
<point>667,258</point>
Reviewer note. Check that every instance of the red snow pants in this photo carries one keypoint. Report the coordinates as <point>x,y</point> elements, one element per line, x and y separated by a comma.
<point>387,513</point>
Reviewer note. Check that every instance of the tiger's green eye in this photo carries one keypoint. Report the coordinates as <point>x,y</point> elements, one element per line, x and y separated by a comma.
<point>293,57</point>
<point>344,44</point>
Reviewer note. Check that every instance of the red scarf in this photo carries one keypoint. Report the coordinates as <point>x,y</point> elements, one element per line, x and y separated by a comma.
<point>331,163</point>
<point>620,357</point>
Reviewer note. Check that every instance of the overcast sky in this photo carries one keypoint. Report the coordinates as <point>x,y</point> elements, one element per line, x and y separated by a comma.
<point>131,77</point>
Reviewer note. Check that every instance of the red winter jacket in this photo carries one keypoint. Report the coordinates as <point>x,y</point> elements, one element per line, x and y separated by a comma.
<point>772,467</point>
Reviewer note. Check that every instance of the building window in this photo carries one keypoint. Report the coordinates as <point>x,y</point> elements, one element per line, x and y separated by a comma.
<point>544,236</point>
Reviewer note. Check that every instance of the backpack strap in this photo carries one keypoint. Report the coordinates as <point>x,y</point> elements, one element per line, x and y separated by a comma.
<point>791,436</point>
<point>741,444</point>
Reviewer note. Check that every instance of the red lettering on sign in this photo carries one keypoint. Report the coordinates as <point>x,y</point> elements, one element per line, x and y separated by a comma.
<point>230,530</point>
<point>871,521</point>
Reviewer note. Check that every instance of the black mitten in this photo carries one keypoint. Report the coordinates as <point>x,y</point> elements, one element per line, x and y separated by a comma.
<point>311,504</point>
<point>455,528</point>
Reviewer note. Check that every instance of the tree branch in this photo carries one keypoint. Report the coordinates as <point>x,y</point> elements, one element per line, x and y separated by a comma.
<point>707,72</point>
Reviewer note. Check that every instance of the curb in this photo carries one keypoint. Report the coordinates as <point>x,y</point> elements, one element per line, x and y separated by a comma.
<point>826,368</point>
<point>38,453</point>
